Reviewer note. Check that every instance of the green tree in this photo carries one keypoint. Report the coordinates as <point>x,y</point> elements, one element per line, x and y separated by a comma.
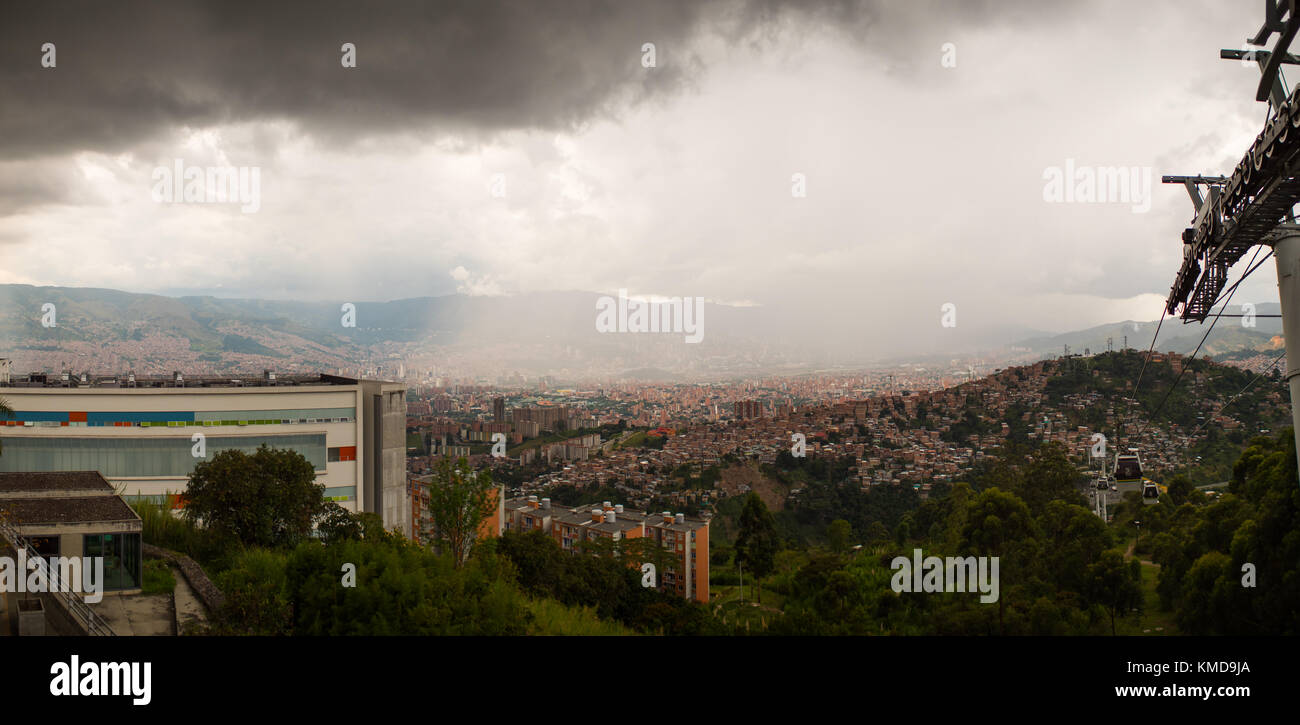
<point>645,550</point>
<point>269,498</point>
<point>338,524</point>
<point>399,589</point>
<point>460,499</point>
<point>1206,559</point>
<point>999,524</point>
<point>903,533</point>
<point>255,602</point>
<point>1111,584</point>
<point>1182,491</point>
<point>994,521</point>
<point>756,544</point>
<point>1076,537</point>
<point>1049,477</point>
<point>877,533</point>
<point>838,535</point>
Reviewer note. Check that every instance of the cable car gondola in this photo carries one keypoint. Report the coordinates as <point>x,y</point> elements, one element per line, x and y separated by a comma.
<point>1150,493</point>
<point>1127,475</point>
<point>1128,467</point>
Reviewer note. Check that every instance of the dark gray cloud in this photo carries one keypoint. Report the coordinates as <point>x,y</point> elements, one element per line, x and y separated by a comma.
<point>25,184</point>
<point>127,70</point>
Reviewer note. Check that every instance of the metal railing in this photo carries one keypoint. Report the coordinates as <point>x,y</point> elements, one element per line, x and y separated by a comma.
<point>77,609</point>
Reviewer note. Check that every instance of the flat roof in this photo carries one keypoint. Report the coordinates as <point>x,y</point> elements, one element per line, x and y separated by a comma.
<point>72,510</point>
<point>617,525</point>
<point>572,518</point>
<point>692,524</point>
<point>146,382</point>
<point>53,481</point>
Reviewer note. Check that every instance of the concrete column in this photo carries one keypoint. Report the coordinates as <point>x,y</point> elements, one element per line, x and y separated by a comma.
<point>1287,253</point>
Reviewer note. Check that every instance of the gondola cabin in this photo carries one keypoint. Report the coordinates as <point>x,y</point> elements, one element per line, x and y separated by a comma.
<point>1128,472</point>
<point>1150,493</point>
<point>1128,467</point>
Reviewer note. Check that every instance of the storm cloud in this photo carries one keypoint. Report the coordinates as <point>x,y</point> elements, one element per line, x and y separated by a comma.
<point>127,70</point>
<point>924,180</point>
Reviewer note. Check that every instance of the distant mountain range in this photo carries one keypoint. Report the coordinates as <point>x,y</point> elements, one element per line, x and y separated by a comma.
<point>106,330</point>
<point>543,333</point>
<point>1229,339</point>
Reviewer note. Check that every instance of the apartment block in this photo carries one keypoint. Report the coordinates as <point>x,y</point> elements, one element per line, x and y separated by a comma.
<point>421,517</point>
<point>686,538</point>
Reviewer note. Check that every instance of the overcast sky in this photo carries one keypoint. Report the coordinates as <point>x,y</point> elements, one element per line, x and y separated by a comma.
<point>924,183</point>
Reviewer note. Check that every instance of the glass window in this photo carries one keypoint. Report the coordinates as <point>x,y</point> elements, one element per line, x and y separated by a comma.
<point>45,545</point>
<point>121,554</point>
<point>341,493</point>
<point>121,457</point>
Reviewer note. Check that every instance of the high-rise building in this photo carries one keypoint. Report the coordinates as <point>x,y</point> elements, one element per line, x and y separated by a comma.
<point>145,435</point>
<point>499,410</point>
<point>548,417</point>
<point>746,409</point>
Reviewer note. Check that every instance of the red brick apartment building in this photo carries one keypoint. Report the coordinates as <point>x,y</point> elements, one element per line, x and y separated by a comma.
<point>687,538</point>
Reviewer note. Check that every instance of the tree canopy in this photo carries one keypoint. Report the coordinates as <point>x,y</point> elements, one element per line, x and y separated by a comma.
<point>269,498</point>
<point>756,544</point>
<point>460,498</point>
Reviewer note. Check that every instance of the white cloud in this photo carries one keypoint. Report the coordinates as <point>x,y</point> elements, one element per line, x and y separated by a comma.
<point>923,188</point>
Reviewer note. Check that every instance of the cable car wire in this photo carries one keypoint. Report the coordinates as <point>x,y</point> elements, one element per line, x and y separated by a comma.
<point>1251,267</point>
<point>1253,380</point>
<point>1143,371</point>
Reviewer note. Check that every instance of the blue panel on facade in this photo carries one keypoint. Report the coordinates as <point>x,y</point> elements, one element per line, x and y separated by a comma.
<point>38,416</point>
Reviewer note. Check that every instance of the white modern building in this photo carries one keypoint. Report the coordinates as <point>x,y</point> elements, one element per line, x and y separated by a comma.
<point>142,434</point>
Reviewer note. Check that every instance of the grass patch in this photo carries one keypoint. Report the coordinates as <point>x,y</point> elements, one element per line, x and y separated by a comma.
<point>729,597</point>
<point>553,618</point>
<point>164,529</point>
<point>728,607</point>
<point>158,578</point>
<point>1151,621</point>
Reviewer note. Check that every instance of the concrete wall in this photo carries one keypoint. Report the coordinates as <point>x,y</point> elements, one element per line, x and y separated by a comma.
<point>207,592</point>
<point>384,435</point>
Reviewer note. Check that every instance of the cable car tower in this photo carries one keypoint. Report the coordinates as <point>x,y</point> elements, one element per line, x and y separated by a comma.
<point>1255,204</point>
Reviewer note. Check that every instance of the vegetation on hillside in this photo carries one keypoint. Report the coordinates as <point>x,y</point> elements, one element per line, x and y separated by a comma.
<point>828,564</point>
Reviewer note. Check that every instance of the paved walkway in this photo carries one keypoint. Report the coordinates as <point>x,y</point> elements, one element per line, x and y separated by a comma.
<point>138,614</point>
<point>188,607</point>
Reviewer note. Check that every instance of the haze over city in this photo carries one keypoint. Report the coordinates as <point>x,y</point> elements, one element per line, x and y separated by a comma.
<point>923,133</point>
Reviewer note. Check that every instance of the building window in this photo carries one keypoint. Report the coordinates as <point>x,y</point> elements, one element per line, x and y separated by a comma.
<point>121,553</point>
<point>130,457</point>
<point>341,493</point>
<point>45,545</point>
<point>341,453</point>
